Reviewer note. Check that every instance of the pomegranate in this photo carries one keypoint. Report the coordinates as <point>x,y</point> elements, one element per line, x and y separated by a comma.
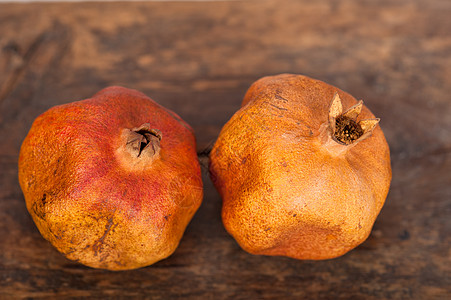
<point>302,168</point>
<point>111,181</point>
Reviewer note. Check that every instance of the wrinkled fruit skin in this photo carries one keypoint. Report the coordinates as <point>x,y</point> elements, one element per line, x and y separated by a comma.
<point>288,192</point>
<point>97,204</point>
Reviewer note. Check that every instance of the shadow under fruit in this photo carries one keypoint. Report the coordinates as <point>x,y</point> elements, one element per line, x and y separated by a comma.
<point>111,181</point>
<point>302,168</point>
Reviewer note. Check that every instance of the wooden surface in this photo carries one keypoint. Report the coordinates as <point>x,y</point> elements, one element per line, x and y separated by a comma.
<point>198,59</point>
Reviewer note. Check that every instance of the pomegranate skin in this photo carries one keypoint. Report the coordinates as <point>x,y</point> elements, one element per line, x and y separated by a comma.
<point>111,181</point>
<point>289,187</point>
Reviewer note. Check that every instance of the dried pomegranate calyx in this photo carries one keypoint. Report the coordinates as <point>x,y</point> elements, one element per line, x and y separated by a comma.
<point>143,141</point>
<point>344,127</point>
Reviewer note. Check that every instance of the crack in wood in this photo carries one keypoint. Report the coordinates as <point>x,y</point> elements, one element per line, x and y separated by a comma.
<point>50,46</point>
<point>14,78</point>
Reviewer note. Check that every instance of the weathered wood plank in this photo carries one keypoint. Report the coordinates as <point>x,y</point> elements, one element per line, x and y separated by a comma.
<point>198,58</point>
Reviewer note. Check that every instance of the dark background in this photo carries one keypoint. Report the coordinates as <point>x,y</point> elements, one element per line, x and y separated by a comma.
<point>198,59</point>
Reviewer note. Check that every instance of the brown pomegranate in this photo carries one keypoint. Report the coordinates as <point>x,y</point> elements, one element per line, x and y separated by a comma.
<point>302,168</point>
<point>111,181</point>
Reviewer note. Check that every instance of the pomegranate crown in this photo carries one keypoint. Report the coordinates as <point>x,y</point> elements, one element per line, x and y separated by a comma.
<point>344,126</point>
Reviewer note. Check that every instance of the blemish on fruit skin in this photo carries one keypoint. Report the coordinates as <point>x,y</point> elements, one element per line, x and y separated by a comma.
<point>277,96</point>
<point>278,107</point>
<point>43,199</point>
<point>39,206</point>
<point>57,236</point>
<point>97,246</point>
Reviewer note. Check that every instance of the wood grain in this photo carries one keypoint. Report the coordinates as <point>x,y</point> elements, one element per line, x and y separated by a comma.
<point>198,59</point>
